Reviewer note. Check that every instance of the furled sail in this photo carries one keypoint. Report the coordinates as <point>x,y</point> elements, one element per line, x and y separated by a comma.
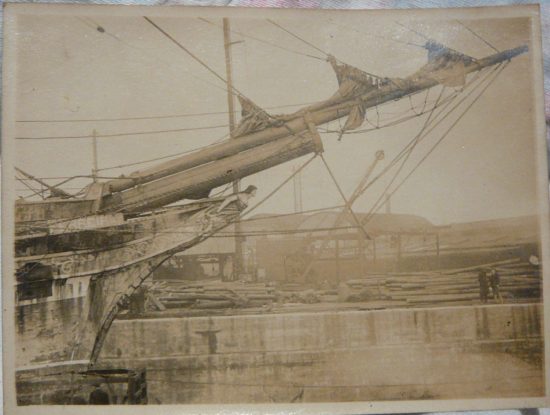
<point>253,118</point>
<point>353,82</point>
<point>445,65</point>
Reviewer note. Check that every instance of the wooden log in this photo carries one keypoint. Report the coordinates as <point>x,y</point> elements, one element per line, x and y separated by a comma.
<point>443,297</point>
<point>476,267</point>
<point>205,304</point>
<point>261,297</point>
<point>154,300</point>
<point>179,304</point>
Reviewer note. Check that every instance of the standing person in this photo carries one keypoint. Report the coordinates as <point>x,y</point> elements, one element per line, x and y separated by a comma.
<point>483,285</point>
<point>137,301</point>
<point>98,396</point>
<point>494,280</point>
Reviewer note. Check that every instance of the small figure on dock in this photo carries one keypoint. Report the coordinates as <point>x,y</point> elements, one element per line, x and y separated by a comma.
<point>483,285</point>
<point>494,280</point>
<point>98,396</point>
<point>137,301</point>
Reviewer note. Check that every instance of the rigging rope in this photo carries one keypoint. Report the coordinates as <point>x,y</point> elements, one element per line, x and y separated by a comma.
<point>298,37</point>
<point>211,127</point>
<point>432,40</point>
<point>298,170</point>
<point>478,36</point>
<point>377,206</point>
<point>375,36</point>
<point>423,106</point>
<point>318,49</point>
<point>204,64</point>
<point>137,163</point>
<point>267,42</point>
<point>435,124</point>
<point>30,188</point>
<point>396,120</point>
<point>423,36</point>
<point>197,114</point>
<point>157,59</point>
<point>347,203</point>
<point>408,153</point>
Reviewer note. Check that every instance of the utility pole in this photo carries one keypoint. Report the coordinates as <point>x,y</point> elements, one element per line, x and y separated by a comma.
<point>237,264</point>
<point>94,152</point>
<point>297,181</point>
<point>388,204</point>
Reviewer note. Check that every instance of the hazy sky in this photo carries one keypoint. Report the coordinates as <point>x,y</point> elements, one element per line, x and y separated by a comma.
<point>69,70</point>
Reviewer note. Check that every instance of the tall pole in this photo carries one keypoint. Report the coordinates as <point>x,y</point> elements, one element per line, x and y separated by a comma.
<point>297,181</point>
<point>237,267</point>
<point>94,152</point>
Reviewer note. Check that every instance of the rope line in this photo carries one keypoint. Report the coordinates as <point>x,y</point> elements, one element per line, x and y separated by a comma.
<point>204,64</point>
<point>408,153</point>
<point>478,36</point>
<point>374,35</point>
<point>278,187</point>
<point>432,40</point>
<point>197,114</point>
<point>137,163</point>
<point>211,127</point>
<point>435,124</point>
<point>376,207</point>
<point>445,135</point>
<point>423,36</point>
<point>267,42</point>
<point>347,203</point>
<point>298,37</point>
<point>147,51</point>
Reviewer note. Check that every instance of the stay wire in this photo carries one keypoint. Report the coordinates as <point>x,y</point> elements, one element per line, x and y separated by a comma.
<point>477,35</point>
<point>267,42</point>
<point>344,198</point>
<point>423,106</point>
<point>247,212</point>
<point>377,204</point>
<point>124,134</point>
<point>196,114</point>
<point>404,151</point>
<point>423,36</point>
<point>496,74</point>
<point>392,122</point>
<point>137,163</point>
<point>318,49</point>
<point>376,36</point>
<point>416,140</point>
<point>432,40</point>
<point>30,188</point>
<point>104,31</point>
<point>204,64</point>
<point>298,37</point>
<point>435,124</point>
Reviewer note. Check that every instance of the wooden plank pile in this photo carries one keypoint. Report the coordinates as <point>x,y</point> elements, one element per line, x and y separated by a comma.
<point>518,280</point>
<point>211,294</point>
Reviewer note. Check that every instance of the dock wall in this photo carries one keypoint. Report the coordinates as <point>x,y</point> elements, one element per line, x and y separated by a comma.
<point>432,353</point>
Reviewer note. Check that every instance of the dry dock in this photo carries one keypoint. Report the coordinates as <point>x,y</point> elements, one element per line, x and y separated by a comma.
<point>421,353</point>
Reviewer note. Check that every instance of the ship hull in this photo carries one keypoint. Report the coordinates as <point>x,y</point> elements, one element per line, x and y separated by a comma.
<point>76,301</point>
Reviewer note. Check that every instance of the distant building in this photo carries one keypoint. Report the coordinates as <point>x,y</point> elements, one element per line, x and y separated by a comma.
<point>212,258</point>
<point>326,248</point>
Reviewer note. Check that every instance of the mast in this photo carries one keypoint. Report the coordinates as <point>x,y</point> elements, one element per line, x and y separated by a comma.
<point>94,149</point>
<point>237,267</point>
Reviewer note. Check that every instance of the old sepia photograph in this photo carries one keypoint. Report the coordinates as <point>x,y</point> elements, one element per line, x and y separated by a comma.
<point>224,206</point>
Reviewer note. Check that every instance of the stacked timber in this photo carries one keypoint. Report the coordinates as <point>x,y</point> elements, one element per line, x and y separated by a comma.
<point>518,280</point>
<point>211,294</point>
